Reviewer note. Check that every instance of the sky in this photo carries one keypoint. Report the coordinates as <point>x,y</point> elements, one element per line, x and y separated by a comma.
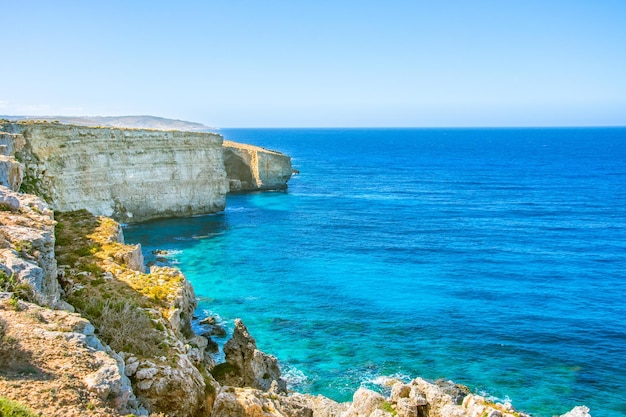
<point>323,63</point>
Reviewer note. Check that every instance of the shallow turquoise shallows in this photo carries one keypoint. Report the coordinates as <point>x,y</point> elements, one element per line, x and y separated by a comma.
<point>492,257</point>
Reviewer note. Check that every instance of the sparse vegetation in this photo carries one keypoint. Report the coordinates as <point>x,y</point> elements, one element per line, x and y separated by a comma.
<point>120,302</point>
<point>24,247</point>
<point>10,408</point>
<point>223,369</point>
<point>123,326</point>
<point>20,290</point>
<point>388,407</point>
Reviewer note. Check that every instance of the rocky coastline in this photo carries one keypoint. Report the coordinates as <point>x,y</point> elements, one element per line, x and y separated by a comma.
<point>86,330</point>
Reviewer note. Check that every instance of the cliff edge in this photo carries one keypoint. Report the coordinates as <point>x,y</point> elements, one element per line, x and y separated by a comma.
<point>251,168</point>
<point>133,175</point>
<point>128,174</point>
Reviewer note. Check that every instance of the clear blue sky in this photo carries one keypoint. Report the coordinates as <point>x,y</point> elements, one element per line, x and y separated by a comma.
<point>235,63</point>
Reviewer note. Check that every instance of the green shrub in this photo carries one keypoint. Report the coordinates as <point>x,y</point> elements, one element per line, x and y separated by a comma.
<point>221,370</point>
<point>20,290</point>
<point>10,408</point>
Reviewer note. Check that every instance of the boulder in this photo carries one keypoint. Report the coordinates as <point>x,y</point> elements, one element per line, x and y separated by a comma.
<point>247,365</point>
<point>365,403</point>
<point>579,411</point>
<point>247,402</point>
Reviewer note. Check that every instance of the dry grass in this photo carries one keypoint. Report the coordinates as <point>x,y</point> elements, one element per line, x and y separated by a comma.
<point>116,299</point>
<point>124,327</point>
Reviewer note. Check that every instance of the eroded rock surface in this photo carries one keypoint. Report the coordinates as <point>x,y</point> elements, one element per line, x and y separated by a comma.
<point>128,174</point>
<point>251,168</point>
<point>249,367</point>
<point>27,246</point>
<point>53,362</point>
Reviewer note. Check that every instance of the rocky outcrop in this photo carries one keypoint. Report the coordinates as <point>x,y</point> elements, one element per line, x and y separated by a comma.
<point>247,366</point>
<point>243,402</point>
<point>69,371</point>
<point>145,317</point>
<point>579,411</point>
<point>11,170</point>
<point>27,247</point>
<point>250,168</point>
<point>127,174</point>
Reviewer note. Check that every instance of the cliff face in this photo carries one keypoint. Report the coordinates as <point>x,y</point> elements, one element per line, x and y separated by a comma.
<point>127,174</point>
<point>250,168</point>
<point>27,246</point>
<point>11,171</point>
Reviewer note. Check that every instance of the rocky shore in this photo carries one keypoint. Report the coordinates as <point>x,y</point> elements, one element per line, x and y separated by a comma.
<point>86,330</point>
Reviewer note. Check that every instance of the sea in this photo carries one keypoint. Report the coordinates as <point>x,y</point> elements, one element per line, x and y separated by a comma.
<point>495,258</point>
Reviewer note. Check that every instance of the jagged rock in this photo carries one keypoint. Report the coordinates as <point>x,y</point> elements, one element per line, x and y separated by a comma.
<point>9,202</point>
<point>69,368</point>
<point>11,172</point>
<point>321,406</point>
<point>208,321</point>
<point>400,390</point>
<point>162,385</point>
<point>132,258</point>
<point>27,247</point>
<point>251,367</point>
<point>579,411</point>
<point>456,391</point>
<point>109,381</point>
<point>365,403</point>
<point>406,408</point>
<point>246,402</point>
<point>214,330</point>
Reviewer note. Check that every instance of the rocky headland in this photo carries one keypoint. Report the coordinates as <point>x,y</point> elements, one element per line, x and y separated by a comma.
<point>86,330</point>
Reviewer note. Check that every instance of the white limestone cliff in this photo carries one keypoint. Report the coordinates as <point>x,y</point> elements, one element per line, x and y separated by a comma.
<point>27,246</point>
<point>250,168</point>
<point>127,174</point>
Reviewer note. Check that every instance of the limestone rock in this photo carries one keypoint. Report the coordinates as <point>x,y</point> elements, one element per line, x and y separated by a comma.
<point>253,168</point>
<point>253,368</point>
<point>320,405</point>
<point>455,391</point>
<point>27,246</point>
<point>11,172</point>
<point>128,174</point>
<point>579,411</point>
<point>246,402</point>
<point>365,403</point>
<point>70,372</point>
<point>109,381</point>
<point>174,387</point>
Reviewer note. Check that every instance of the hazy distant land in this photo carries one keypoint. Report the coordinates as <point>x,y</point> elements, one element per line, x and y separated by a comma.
<point>133,122</point>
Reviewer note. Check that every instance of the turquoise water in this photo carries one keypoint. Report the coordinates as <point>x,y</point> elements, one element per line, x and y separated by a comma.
<point>492,257</point>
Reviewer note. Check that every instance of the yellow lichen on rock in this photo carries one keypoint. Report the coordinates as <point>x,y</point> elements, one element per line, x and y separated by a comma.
<point>143,316</point>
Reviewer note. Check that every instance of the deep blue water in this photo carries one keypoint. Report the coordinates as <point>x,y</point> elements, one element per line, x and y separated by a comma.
<point>492,257</point>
